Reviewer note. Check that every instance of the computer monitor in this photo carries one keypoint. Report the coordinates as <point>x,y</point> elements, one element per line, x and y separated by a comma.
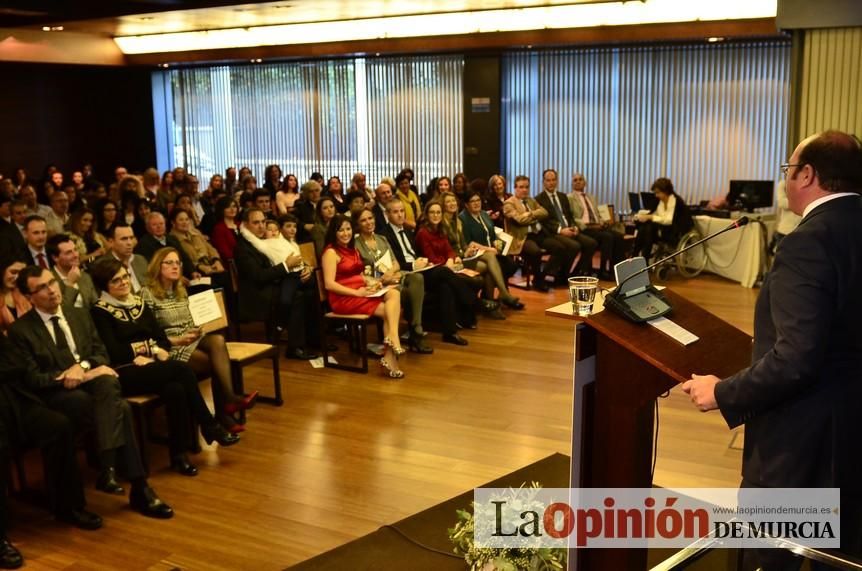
<point>649,201</point>
<point>634,201</point>
<point>751,194</point>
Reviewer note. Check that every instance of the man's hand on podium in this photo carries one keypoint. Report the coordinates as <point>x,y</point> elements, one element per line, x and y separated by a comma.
<point>701,389</point>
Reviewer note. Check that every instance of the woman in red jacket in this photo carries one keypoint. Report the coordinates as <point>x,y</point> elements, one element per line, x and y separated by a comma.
<point>225,230</point>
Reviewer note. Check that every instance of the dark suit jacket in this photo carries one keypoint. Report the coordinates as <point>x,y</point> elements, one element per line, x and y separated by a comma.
<point>12,242</point>
<point>31,260</point>
<point>800,398</point>
<point>38,352</point>
<point>380,215</point>
<point>148,246</point>
<point>259,281</point>
<point>395,244</point>
<point>552,223</point>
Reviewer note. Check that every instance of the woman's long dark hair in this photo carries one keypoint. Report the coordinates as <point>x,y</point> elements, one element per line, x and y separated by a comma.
<point>332,232</point>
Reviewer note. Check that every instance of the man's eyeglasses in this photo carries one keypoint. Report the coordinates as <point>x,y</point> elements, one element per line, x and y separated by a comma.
<point>119,280</point>
<point>786,167</point>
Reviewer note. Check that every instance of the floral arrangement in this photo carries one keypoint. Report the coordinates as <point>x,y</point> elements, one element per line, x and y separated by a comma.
<point>509,559</point>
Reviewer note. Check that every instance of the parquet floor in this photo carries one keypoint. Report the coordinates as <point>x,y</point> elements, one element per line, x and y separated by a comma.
<point>348,452</point>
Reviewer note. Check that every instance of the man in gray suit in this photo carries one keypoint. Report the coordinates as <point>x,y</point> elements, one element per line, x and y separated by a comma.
<point>76,285</point>
<point>585,212</point>
<point>66,366</point>
<point>121,243</point>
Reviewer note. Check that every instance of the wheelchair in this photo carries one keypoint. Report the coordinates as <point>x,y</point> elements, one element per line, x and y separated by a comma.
<point>688,264</point>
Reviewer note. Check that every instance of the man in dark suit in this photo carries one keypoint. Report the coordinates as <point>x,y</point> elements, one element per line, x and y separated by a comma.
<point>121,243</point>
<point>35,235</point>
<point>799,399</point>
<point>454,295</point>
<point>75,285</point>
<point>563,240</point>
<point>24,422</point>
<point>67,367</point>
<point>12,241</point>
<point>264,288</point>
<point>157,237</point>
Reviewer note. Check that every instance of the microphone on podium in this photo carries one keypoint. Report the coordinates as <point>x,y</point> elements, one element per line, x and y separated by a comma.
<point>643,302</point>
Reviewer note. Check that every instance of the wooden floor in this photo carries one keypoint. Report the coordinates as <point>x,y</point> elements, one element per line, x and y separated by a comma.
<point>349,452</point>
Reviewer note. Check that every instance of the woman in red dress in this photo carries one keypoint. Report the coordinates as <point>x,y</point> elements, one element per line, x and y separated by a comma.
<point>344,281</point>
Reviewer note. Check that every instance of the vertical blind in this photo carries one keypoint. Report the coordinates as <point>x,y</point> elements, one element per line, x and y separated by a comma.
<point>335,117</point>
<point>700,115</point>
<point>831,81</point>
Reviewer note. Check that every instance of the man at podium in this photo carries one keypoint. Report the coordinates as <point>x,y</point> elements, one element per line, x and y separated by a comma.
<point>801,398</point>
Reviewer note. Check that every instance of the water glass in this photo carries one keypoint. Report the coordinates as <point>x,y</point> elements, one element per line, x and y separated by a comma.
<point>582,292</point>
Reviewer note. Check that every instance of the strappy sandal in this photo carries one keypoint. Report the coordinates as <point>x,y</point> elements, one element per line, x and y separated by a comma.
<point>398,350</point>
<point>389,371</point>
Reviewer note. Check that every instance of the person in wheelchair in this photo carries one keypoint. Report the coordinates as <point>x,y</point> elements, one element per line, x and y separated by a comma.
<point>669,222</point>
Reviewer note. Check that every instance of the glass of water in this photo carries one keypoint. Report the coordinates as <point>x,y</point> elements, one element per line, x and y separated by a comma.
<point>582,292</point>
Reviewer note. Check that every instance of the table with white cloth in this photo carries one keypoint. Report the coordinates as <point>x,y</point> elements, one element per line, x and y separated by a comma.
<point>739,255</point>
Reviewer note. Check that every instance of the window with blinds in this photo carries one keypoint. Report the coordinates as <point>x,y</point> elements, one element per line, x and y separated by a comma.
<point>700,115</point>
<point>335,117</point>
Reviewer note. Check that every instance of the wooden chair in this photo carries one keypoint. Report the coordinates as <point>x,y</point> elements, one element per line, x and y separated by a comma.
<point>357,325</point>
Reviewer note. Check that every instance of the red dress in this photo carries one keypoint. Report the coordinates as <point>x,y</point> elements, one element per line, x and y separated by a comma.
<point>348,273</point>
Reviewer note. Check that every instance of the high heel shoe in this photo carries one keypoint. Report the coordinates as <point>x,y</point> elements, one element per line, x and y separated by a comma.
<point>389,371</point>
<point>217,433</point>
<point>398,350</point>
<point>243,404</point>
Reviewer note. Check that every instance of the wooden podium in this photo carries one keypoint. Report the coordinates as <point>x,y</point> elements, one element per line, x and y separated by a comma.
<point>620,369</point>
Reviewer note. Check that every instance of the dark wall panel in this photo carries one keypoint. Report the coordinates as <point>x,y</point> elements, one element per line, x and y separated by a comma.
<point>481,122</point>
<point>71,115</point>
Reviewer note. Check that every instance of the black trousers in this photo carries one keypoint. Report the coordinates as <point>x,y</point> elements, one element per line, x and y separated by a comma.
<point>563,251</point>
<point>296,303</point>
<point>531,251</point>
<point>455,297</point>
<point>612,246</point>
<point>650,233</point>
<point>54,434</point>
<point>98,404</point>
<point>176,384</point>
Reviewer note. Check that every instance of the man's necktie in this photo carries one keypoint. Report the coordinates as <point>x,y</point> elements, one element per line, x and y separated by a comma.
<point>40,258</point>
<point>406,243</point>
<point>589,206</point>
<point>563,222</point>
<point>62,343</point>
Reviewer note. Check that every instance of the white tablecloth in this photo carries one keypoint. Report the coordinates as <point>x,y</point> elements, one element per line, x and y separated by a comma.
<point>739,254</point>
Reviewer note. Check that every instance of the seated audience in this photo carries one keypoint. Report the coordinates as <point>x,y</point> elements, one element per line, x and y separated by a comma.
<point>382,195</point>
<point>325,212</point>
<point>167,195</point>
<point>226,229</point>
<point>376,253</point>
<point>479,230</point>
<point>106,215</point>
<point>35,235</point>
<point>75,284</point>
<point>355,202</point>
<point>286,198</point>
<point>202,255</point>
<point>142,212</point>
<point>358,184</point>
<point>524,221</point>
<point>121,246</point>
<point>263,201</point>
<point>207,353</point>
<point>15,304</point>
<point>458,185</point>
<point>185,202</point>
<point>565,238</point>
<point>82,230</point>
<point>669,222</point>
<point>585,212</point>
<point>66,366</point>
<point>268,287</point>
<point>138,348</point>
<point>271,181</point>
<point>157,237</point>
<point>408,197</point>
<point>348,290</point>
<point>58,216</point>
<point>494,199</point>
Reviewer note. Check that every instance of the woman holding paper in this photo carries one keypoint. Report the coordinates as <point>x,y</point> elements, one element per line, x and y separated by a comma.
<point>350,290</point>
<point>207,354</point>
<point>138,349</point>
<point>375,251</point>
<point>482,259</point>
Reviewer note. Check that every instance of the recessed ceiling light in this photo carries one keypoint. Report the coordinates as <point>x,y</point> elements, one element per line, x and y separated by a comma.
<point>255,60</point>
<point>714,39</point>
<point>146,19</point>
<point>164,65</point>
<point>52,28</point>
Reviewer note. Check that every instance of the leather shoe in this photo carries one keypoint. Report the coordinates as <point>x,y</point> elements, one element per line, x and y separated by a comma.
<point>455,339</point>
<point>300,354</point>
<point>107,482</point>
<point>217,433</point>
<point>417,344</point>
<point>181,465</point>
<point>145,501</point>
<point>81,519</point>
<point>513,302</point>
<point>10,557</point>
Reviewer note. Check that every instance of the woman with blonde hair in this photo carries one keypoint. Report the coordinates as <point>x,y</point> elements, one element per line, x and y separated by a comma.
<point>206,353</point>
